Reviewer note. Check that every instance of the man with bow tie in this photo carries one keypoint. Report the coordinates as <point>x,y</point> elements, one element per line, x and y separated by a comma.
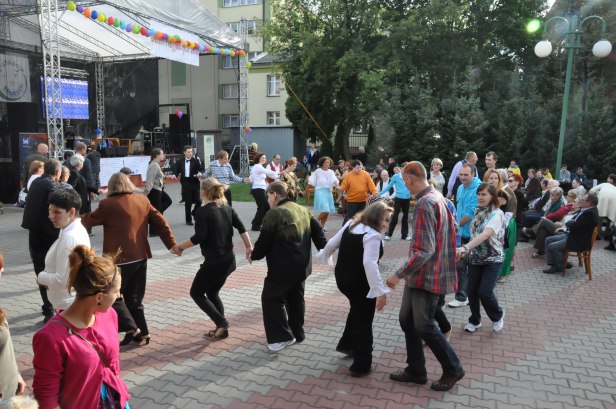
<point>189,170</point>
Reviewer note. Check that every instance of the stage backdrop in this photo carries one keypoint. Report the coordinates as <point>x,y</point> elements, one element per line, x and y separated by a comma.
<point>14,78</point>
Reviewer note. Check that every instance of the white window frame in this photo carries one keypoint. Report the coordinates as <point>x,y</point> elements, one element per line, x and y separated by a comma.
<point>251,26</point>
<point>230,91</point>
<point>229,62</point>
<point>274,85</point>
<point>273,117</point>
<point>230,120</point>
<point>237,3</point>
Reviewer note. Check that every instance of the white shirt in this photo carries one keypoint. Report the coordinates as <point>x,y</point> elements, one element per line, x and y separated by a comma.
<point>57,267</point>
<point>386,195</point>
<point>258,174</point>
<point>186,168</point>
<point>323,179</point>
<point>32,177</point>
<point>372,248</point>
<point>276,168</point>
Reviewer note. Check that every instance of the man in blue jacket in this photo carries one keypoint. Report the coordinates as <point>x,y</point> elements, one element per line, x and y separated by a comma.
<point>466,204</point>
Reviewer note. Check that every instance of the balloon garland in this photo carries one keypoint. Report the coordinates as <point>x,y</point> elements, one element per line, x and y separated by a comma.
<point>153,34</point>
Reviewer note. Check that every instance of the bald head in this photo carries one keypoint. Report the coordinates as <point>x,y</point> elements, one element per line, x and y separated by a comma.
<point>415,169</point>
<point>414,176</point>
<point>42,149</point>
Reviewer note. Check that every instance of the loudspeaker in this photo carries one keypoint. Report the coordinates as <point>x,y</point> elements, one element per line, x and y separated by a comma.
<point>23,117</point>
<point>179,132</point>
<point>122,150</point>
<point>108,151</point>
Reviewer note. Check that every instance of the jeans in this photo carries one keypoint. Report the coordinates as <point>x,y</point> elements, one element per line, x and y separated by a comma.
<point>462,272</point>
<point>440,317</point>
<point>262,207</point>
<point>555,251</point>
<point>352,208</point>
<point>205,288</point>
<point>400,204</point>
<point>481,283</point>
<point>417,322</point>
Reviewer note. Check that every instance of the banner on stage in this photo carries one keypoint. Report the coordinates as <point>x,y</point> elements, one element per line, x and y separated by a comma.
<point>137,164</point>
<point>14,78</point>
<point>175,52</point>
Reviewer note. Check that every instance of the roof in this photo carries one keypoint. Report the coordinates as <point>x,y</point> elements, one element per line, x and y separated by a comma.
<point>86,39</point>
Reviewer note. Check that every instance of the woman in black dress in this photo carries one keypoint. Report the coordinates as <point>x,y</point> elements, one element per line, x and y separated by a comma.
<point>214,223</point>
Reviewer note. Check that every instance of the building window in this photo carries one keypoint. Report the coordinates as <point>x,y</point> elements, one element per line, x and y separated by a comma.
<point>230,91</point>
<point>235,3</point>
<point>230,120</point>
<point>178,74</point>
<point>273,118</point>
<point>251,26</point>
<point>230,62</point>
<point>274,83</point>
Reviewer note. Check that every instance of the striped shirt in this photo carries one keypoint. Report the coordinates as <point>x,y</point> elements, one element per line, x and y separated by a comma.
<point>223,173</point>
<point>432,255</point>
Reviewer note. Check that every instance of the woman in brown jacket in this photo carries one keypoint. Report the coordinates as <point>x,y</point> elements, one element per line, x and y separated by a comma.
<point>125,217</point>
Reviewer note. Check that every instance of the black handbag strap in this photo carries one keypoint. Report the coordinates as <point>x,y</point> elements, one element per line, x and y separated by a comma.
<point>73,332</point>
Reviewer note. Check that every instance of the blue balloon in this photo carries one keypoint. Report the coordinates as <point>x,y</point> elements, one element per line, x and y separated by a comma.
<point>94,15</point>
<point>99,131</point>
<point>152,32</point>
<point>122,25</point>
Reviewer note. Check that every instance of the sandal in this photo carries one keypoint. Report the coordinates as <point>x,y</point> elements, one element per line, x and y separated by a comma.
<point>219,333</point>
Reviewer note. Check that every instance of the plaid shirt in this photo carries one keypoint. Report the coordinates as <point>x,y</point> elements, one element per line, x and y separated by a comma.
<point>432,254</point>
<point>223,173</point>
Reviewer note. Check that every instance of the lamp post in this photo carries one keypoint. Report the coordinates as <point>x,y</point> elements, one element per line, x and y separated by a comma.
<point>602,48</point>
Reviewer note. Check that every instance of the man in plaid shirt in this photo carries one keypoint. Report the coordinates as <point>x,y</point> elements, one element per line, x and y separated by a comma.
<point>429,273</point>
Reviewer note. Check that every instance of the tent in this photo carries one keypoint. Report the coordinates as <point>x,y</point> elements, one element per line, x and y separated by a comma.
<point>47,25</point>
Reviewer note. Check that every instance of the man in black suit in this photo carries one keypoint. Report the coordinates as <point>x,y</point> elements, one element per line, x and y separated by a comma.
<point>36,219</point>
<point>189,169</point>
<point>578,237</point>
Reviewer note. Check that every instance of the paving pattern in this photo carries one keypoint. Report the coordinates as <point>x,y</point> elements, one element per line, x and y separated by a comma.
<point>557,350</point>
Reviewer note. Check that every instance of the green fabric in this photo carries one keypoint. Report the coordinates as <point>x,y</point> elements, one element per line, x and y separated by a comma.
<point>513,232</point>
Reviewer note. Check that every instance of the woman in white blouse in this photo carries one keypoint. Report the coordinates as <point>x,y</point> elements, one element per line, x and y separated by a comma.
<point>324,179</point>
<point>436,176</point>
<point>64,205</point>
<point>358,278</point>
<point>258,174</point>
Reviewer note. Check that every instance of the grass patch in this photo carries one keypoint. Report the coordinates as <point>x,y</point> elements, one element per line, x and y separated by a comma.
<point>241,193</point>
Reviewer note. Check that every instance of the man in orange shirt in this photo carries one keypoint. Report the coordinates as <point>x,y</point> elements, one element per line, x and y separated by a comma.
<point>357,184</point>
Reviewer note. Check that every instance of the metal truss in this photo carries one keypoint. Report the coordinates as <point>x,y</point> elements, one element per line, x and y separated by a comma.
<point>74,73</point>
<point>87,37</point>
<point>243,88</point>
<point>52,75</point>
<point>5,31</point>
<point>100,95</point>
<point>86,53</point>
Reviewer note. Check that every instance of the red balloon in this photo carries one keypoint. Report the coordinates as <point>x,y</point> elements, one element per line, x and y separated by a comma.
<point>110,20</point>
<point>143,31</point>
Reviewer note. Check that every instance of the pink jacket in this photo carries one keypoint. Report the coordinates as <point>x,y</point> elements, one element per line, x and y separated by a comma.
<point>68,372</point>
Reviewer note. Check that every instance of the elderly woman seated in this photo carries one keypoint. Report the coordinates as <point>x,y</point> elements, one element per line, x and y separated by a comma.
<point>549,225</point>
<point>544,205</point>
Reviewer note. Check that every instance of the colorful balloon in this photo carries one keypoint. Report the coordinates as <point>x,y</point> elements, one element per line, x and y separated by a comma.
<point>136,29</point>
<point>153,32</point>
<point>80,9</point>
<point>242,53</point>
<point>248,64</point>
<point>180,113</point>
<point>87,12</point>
<point>100,18</point>
<point>129,27</point>
<point>143,31</point>
<point>147,33</point>
<point>110,20</point>
<point>71,6</point>
<point>165,36</point>
<point>116,22</point>
<point>122,25</point>
<point>94,15</point>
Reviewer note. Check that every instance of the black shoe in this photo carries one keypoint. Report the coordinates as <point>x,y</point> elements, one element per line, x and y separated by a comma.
<point>446,382</point>
<point>404,376</point>
<point>569,264</point>
<point>189,223</point>
<point>551,270</point>
<point>347,352</point>
<point>129,337</point>
<point>359,374</point>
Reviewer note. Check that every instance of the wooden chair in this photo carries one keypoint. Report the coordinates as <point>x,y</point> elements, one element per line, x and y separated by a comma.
<point>583,256</point>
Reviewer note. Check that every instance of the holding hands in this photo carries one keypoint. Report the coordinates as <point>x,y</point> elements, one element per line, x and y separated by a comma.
<point>176,250</point>
<point>391,282</point>
<point>380,302</point>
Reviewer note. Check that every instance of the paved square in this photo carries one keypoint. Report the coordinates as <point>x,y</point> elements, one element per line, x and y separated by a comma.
<point>557,350</point>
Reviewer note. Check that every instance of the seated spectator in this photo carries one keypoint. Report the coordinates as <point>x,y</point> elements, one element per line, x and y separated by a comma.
<point>579,186</point>
<point>549,225</point>
<point>577,238</point>
<point>514,168</point>
<point>554,202</point>
<point>532,187</point>
<point>579,174</point>
<point>546,173</point>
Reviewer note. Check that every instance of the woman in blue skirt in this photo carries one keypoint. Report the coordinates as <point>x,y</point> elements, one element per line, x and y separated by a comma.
<point>324,180</point>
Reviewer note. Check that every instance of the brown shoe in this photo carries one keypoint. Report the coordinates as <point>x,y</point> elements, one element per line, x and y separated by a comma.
<point>446,382</point>
<point>404,376</point>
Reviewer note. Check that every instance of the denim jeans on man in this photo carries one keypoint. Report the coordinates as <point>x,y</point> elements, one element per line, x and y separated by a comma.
<point>481,283</point>
<point>555,251</point>
<point>417,322</point>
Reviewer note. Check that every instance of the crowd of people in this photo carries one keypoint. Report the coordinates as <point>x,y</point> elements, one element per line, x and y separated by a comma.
<point>462,240</point>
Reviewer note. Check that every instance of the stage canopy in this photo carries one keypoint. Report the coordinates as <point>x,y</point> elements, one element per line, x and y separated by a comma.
<point>83,38</point>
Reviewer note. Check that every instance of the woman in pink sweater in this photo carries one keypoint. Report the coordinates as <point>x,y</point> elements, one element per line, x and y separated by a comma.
<point>76,354</point>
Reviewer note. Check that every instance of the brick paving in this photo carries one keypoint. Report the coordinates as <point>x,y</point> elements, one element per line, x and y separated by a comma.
<point>557,350</point>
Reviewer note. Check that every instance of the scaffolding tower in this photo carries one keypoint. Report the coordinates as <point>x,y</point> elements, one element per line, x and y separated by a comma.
<point>100,95</point>
<point>243,85</point>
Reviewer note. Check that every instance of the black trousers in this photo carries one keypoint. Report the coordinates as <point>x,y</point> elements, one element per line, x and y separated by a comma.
<point>352,208</point>
<point>160,200</point>
<point>400,204</point>
<point>131,311</point>
<point>283,311</point>
<point>357,334</point>
<point>229,197</point>
<point>207,284</point>
<point>190,195</point>
<point>39,244</point>
<point>262,207</point>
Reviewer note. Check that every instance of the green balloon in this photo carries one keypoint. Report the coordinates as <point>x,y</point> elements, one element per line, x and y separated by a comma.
<point>136,29</point>
<point>116,23</point>
<point>71,6</point>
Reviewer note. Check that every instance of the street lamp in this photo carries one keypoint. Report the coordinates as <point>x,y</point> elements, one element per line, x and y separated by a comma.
<point>602,48</point>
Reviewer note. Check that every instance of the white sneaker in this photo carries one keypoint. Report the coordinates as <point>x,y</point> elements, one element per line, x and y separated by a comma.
<point>279,346</point>
<point>387,238</point>
<point>324,229</point>
<point>409,238</point>
<point>471,328</point>
<point>498,325</point>
<point>455,303</point>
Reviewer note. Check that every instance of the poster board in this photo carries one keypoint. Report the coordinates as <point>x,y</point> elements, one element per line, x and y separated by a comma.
<point>138,165</point>
<point>109,166</point>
